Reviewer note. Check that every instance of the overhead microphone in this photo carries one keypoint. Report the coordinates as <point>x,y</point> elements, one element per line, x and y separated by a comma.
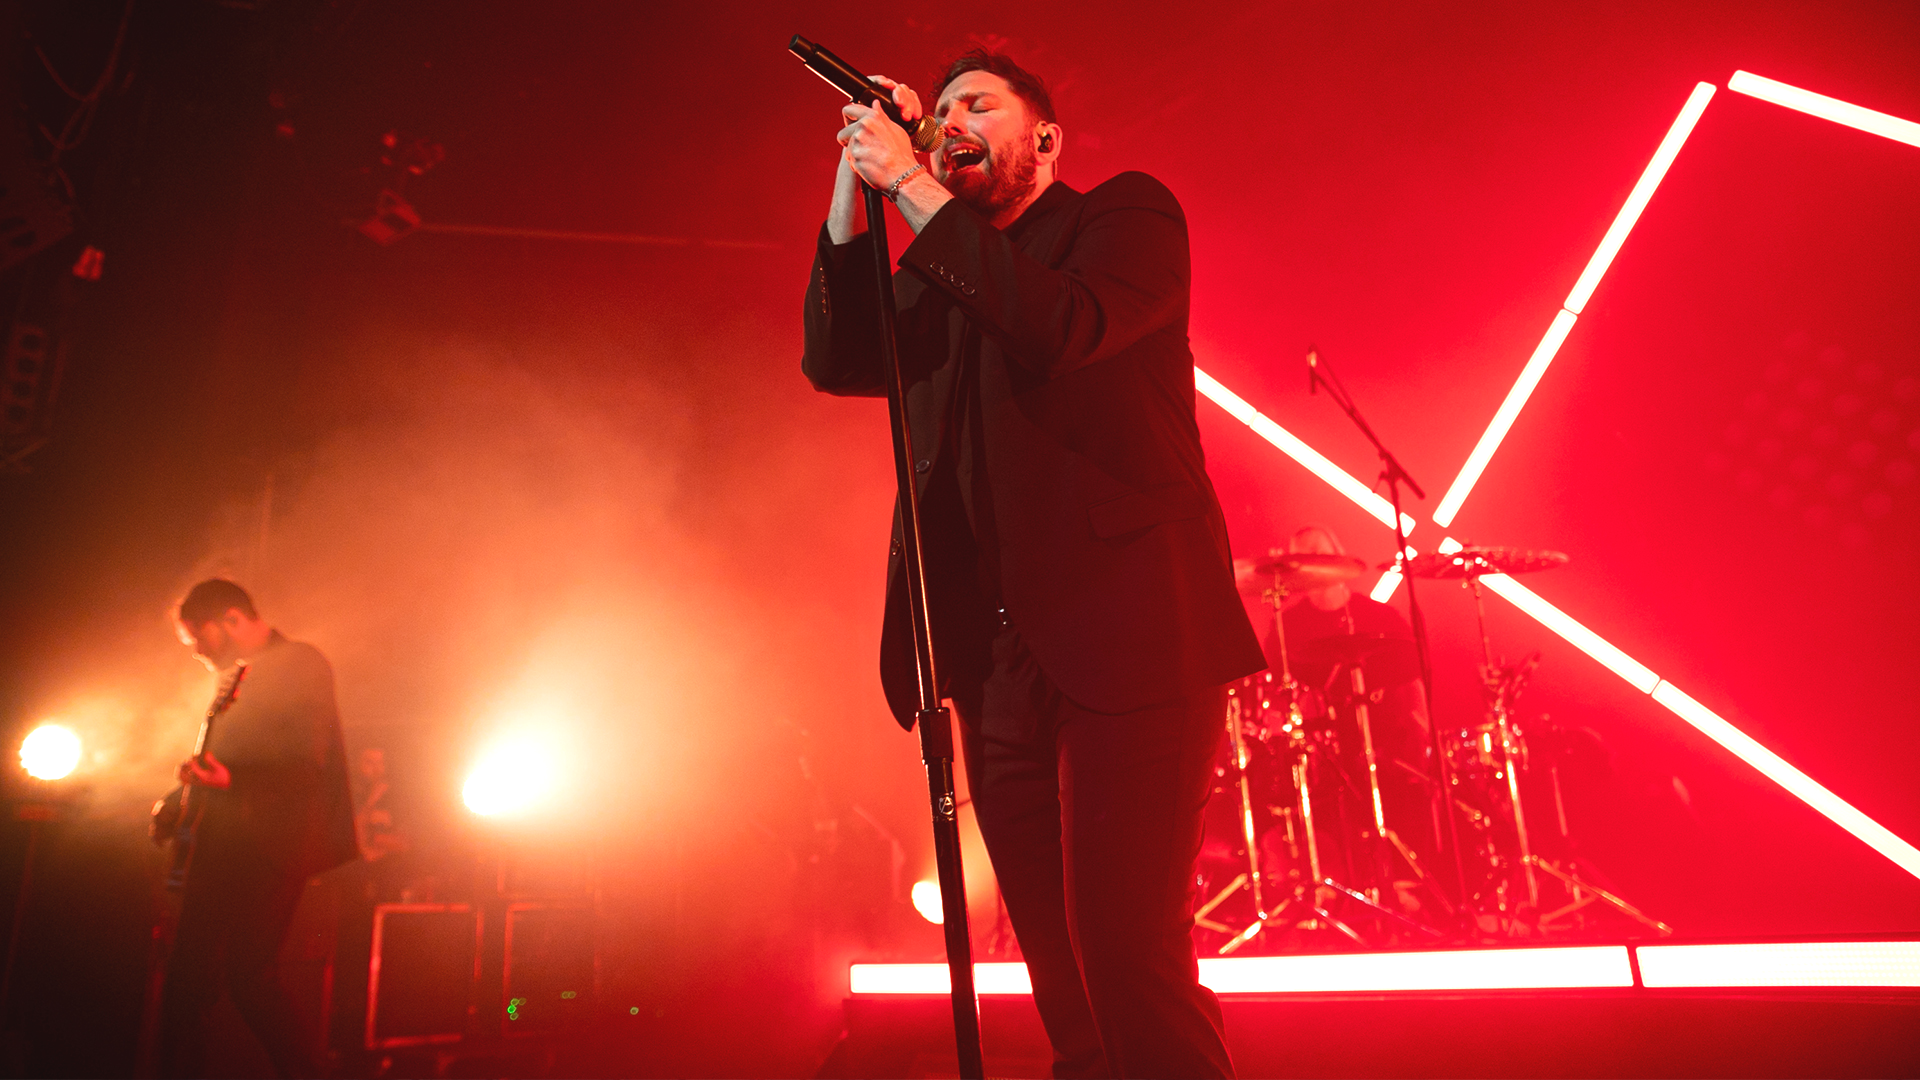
<point>1313,370</point>
<point>844,77</point>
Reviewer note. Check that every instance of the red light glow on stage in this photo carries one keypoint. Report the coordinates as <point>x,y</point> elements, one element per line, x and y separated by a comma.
<point>1636,674</point>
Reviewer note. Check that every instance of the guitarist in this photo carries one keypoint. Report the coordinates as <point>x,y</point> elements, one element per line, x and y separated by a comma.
<point>273,808</point>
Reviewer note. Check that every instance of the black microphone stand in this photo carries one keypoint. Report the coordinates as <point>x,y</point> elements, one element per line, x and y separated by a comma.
<point>1394,475</point>
<point>934,719</point>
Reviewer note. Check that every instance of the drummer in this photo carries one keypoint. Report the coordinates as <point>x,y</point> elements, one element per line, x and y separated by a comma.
<point>1315,620</point>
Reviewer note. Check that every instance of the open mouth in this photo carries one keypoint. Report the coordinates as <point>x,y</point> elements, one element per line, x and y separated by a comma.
<point>962,156</point>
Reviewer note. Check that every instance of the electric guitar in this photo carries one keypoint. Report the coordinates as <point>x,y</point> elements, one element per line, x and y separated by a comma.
<point>177,816</point>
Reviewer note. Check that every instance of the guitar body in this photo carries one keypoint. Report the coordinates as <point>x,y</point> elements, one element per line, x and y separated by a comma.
<point>176,816</point>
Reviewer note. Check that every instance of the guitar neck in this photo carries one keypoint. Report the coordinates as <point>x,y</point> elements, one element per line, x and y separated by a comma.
<point>221,702</point>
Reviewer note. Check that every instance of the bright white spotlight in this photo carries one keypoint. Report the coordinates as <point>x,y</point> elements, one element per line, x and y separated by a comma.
<point>926,901</point>
<point>50,752</point>
<point>513,777</point>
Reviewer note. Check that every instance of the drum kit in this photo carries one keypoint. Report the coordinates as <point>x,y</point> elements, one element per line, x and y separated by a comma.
<point>1336,838</point>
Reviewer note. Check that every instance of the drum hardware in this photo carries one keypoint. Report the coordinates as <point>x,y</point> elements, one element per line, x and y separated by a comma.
<point>1287,572</point>
<point>1495,750</point>
<point>1581,893</point>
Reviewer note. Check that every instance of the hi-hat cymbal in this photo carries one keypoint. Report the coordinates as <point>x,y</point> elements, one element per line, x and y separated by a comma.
<point>1473,562</point>
<point>1301,570</point>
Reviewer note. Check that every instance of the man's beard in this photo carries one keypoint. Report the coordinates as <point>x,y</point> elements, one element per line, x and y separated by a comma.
<point>1003,188</point>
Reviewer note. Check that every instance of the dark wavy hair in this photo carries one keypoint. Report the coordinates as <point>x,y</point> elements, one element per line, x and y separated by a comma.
<point>1031,88</point>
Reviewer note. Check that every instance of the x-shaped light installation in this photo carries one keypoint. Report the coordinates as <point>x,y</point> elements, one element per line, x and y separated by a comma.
<point>1636,674</point>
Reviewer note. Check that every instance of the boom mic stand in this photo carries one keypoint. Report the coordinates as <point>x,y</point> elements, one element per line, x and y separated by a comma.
<point>1394,475</point>
<point>934,720</point>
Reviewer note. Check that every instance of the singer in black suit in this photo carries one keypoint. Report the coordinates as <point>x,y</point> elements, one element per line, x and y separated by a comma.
<point>1080,585</point>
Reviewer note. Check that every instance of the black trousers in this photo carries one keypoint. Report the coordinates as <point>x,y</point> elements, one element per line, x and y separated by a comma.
<point>1093,822</point>
<point>233,921</point>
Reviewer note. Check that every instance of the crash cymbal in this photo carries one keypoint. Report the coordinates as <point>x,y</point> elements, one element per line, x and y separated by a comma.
<point>1473,562</point>
<point>1301,570</point>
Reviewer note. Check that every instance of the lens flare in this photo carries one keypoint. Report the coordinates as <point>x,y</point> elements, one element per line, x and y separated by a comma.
<point>926,901</point>
<point>512,778</point>
<point>50,752</point>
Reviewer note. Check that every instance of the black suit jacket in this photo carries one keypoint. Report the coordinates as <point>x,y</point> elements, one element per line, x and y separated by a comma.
<point>1113,557</point>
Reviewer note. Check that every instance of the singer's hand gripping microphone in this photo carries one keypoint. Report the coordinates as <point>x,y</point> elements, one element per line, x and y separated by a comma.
<point>925,132</point>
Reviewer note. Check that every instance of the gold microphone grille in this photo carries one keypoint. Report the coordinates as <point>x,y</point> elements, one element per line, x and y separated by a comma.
<point>926,135</point>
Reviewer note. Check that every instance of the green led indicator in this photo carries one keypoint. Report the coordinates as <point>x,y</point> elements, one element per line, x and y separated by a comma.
<point>633,1011</point>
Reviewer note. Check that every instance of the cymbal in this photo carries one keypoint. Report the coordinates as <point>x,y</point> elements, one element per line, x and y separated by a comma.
<point>1473,562</point>
<point>1301,570</point>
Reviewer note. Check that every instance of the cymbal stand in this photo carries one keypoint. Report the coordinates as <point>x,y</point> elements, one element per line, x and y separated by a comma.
<point>1382,833</point>
<point>1502,687</point>
<point>1581,893</point>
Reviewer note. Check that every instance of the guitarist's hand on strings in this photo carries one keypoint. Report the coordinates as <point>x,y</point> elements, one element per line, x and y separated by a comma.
<point>212,774</point>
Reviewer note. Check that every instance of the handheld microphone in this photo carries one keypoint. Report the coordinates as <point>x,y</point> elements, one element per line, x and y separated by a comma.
<point>1313,371</point>
<point>842,76</point>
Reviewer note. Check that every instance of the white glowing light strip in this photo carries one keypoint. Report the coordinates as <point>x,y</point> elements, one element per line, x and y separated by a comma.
<point>1503,419</point>
<point>1737,742</point>
<point>1366,973</point>
<point>1804,787</point>
<point>1637,674</point>
<point>1826,108</point>
<point>1465,969</point>
<point>1290,445</point>
<point>1800,963</point>
<point>1563,320</point>
<point>932,979</point>
<point>1637,200</point>
<point>1384,588</point>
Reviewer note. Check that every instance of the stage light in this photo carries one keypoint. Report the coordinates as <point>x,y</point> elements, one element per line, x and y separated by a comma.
<point>50,752</point>
<point>1638,675</point>
<point>1563,320</point>
<point>1800,963</point>
<point>926,901</point>
<point>1637,200</point>
<point>1826,108</point>
<point>1289,444</point>
<point>1504,417</point>
<point>1804,787</point>
<point>1008,979</point>
<point>1586,966</point>
<point>513,777</point>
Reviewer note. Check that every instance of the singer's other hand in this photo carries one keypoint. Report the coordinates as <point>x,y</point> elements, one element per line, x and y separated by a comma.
<point>876,148</point>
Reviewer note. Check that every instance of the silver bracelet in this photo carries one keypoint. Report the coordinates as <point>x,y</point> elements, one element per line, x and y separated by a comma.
<point>893,190</point>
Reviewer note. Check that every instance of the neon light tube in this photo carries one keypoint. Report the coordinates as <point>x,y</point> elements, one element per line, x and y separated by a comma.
<point>1800,963</point>
<point>1826,108</point>
<point>933,979</point>
<point>1503,419</point>
<point>1290,445</point>
<point>1384,589</point>
<point>1637,201</point>
<point>1638,675</point>
<point>1465,969</point>
<point>1803,787</point>
<point>1366,973</point>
